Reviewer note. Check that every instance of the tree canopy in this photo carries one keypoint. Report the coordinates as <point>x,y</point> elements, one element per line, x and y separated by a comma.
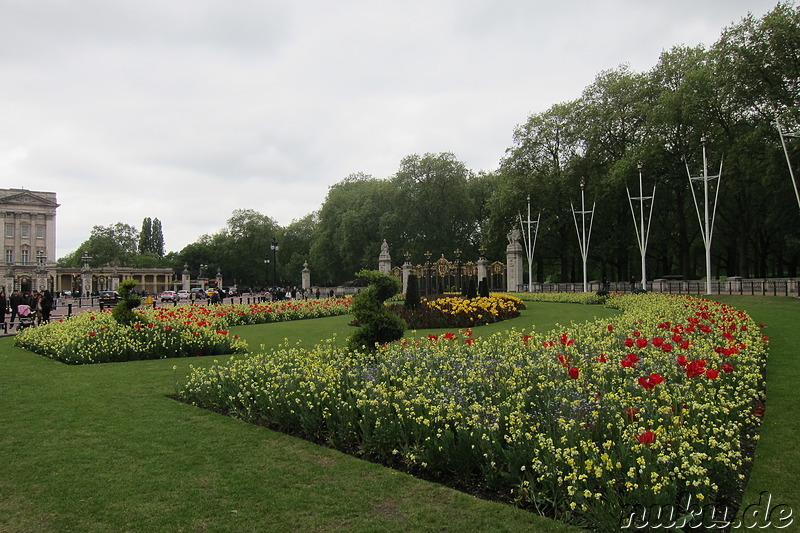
<point>729,94</point>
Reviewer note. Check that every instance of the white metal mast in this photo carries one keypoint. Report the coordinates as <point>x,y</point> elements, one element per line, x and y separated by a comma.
<point>642,226</point>
<point>706,222</point>
<point>583,237</point>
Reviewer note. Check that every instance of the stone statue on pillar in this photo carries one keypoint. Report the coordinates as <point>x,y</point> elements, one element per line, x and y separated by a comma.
<point>384,259</point>
<point>305,277</point>
<point>514,265</point>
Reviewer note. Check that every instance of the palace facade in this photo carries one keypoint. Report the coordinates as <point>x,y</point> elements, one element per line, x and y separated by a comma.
<point>28,230</point>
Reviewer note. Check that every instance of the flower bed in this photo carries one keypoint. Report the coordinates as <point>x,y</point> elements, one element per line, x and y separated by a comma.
<point>163,332</point>
<point>458,312</point>
<point>588,298</point>
<point>579,424</point>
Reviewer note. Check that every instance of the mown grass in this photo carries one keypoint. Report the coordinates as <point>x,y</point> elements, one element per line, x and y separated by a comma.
<point>102,448</point>
<point>777,457</point>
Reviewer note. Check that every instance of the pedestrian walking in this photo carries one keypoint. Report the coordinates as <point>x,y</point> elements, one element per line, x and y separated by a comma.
<point>3,306</point>
<point>15,300</point>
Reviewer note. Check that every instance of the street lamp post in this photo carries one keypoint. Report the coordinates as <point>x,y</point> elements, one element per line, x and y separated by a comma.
<point>202,278</point>
<point>274,247</point>
<point>266,268</point>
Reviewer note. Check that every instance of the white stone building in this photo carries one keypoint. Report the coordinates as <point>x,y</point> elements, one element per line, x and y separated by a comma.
<point>28,230</point>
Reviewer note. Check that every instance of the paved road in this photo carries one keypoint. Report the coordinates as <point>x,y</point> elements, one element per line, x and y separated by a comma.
<point>66,306</point>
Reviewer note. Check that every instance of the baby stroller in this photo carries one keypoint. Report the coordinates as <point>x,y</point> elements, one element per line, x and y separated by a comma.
<point>25,317</point>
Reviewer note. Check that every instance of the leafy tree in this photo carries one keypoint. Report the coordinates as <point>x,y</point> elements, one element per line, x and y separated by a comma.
<point>115,244</point>
<point>348,238</point>
<point>296,249</point>
<point>146,236</point>
<point>433,207</point>
<point>157,239</point>
<point>241,247</point>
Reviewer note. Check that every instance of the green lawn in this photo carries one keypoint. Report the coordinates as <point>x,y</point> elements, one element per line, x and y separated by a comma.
<point>777,463</point>
<point>102,448</point>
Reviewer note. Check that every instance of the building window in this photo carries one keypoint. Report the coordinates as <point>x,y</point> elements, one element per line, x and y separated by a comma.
<point>9,256</point>
<point>24,257</point>
<point>9,231</point>
<point>39,231</point>
<point>25,231</point>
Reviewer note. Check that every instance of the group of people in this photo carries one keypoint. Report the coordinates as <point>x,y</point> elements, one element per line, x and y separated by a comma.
<point>40,306</point>
<point>288,293</point>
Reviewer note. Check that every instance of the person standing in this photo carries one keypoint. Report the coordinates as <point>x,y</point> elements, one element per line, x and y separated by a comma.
<point>33,302</point>
<point>15,300</point>
<point>3,306</point>
<point>45,306</point>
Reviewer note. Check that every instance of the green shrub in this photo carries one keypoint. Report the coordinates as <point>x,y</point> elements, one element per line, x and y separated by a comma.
<point>412,292</point>
<point>378,324</point>
<point>472,289</point>
<point>123,311</point>
<point>483,288</point>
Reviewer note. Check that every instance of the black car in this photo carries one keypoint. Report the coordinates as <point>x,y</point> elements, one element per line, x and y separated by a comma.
<point>109,298</point>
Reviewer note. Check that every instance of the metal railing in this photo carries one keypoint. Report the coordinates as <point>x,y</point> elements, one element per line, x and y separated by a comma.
<point>750,287</point>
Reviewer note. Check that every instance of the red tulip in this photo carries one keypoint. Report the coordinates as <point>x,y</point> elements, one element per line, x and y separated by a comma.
<point>646,438</point>
<point>573,372</point>
<point>649,382</point>
<point>657,341</point>
<point>695,368</point>
<point>712,373</point>
<point>630,360</point>
<point>644,382</point>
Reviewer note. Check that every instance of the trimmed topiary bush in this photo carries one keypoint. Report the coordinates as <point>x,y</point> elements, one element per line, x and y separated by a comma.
<point>378,324</point>
<point>483,288</point>
<point>472,289</point>
<point>412,292</point>
<point>123,311</point>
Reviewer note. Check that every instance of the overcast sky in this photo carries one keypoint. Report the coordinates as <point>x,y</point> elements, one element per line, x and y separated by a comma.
<point>185,110</point>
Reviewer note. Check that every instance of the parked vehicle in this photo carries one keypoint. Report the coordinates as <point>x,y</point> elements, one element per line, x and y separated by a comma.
<point>183,294</point>
<point>197,292</point>
<point>108,298</point>
<point>169,296</point>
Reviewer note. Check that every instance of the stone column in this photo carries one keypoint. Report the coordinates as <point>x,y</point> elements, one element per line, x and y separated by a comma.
<point>86,283</point>
<point>219,279</point>
<point>483,269</point>
<point>406,272</point>
<point>514,262</point>
<point>185,278</point>
<point>384,259</point>
<point>305,276</point>
<point>115,280</point>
